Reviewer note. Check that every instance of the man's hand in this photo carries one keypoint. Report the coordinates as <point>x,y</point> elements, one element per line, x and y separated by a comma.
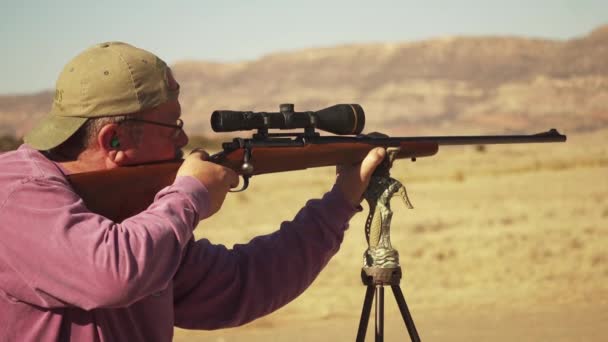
<point>352,180</point>
<point>216,178</point>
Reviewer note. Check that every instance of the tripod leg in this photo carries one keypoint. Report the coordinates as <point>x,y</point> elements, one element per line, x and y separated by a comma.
<point>367,308</point>
<point>379,313</point>
<point>405,313</point>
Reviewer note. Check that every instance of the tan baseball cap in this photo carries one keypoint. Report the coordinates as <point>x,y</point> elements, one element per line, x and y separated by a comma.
<point>107,79</point>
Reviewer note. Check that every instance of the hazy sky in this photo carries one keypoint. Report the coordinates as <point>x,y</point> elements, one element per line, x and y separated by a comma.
<point>39,37</point>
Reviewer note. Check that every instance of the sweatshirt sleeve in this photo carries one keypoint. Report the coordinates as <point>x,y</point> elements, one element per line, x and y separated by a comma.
<point>217,287</point>
<point>55,253</point>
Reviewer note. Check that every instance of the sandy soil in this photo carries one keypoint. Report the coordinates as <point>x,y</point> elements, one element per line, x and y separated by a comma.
<point>506,244</point>
<point>557,323</point>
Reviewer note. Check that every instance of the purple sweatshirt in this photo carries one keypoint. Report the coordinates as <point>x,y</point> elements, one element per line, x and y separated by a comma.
<point>67,274</point>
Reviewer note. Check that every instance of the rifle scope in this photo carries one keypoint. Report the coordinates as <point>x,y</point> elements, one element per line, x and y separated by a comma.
<point>344,119</point>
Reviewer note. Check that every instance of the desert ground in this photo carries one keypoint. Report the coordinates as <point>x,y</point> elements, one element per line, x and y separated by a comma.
<point>507,243</point>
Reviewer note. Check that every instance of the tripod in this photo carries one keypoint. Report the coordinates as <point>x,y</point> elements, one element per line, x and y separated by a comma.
<point>381,260</point>
<point>375,278</point>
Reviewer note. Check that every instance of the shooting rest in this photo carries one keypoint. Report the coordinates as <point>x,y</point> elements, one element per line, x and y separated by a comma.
<point>380,260</point>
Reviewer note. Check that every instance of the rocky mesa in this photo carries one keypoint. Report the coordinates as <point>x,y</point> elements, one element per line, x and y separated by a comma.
<point>447,85</point>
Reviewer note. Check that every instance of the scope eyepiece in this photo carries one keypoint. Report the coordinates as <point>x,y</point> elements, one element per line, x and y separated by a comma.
<point>342,119</point>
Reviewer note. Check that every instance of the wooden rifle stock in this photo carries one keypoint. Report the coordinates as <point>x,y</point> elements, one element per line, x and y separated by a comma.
<point>123,192</point>
<point>290,158</point>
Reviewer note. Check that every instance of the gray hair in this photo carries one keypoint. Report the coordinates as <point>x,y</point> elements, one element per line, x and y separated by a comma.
<point>85,135</point>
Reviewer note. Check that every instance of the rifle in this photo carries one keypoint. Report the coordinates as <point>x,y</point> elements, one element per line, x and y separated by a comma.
<point>134,187</point>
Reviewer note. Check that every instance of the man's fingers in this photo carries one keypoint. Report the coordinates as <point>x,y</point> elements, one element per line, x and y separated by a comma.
<point>203,154</point>
<point>373,159</point>
<point>352,180</point>
<point>234,179</point>
<point>229,177</point>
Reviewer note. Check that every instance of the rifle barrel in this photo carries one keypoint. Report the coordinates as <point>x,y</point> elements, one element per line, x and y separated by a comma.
<point>545,137</point>
<point>549,136</point>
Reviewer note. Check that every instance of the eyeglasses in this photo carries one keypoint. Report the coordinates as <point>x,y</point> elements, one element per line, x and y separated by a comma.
<point>179,124</point>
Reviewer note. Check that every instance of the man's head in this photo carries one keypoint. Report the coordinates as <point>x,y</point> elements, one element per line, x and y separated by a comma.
<point>100,92</point>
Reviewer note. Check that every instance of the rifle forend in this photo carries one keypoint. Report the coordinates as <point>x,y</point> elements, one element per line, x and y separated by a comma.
<point>123,192</point>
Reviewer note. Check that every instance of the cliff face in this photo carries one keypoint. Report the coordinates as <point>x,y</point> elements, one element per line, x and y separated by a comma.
<point>448,85</point>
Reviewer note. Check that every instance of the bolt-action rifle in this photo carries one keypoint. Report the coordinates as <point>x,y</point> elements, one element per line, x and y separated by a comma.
<point>133,188</point>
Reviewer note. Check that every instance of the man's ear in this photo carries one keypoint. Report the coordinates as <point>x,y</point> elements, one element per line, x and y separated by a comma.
<point>109,142</point>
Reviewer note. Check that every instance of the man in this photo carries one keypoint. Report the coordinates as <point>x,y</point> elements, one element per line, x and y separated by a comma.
<point>69,274</point>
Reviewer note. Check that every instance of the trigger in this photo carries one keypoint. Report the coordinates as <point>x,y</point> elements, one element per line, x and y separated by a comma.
<point>245,184</point>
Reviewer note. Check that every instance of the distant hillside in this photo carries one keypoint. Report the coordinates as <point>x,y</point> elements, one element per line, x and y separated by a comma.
<point>19,112</point>
<point>446,85</point>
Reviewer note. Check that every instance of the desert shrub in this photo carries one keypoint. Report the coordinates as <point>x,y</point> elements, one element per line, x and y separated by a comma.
<point>480,148</point>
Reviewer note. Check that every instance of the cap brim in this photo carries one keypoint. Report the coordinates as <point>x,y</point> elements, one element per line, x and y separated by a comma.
<point>52,131</point>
